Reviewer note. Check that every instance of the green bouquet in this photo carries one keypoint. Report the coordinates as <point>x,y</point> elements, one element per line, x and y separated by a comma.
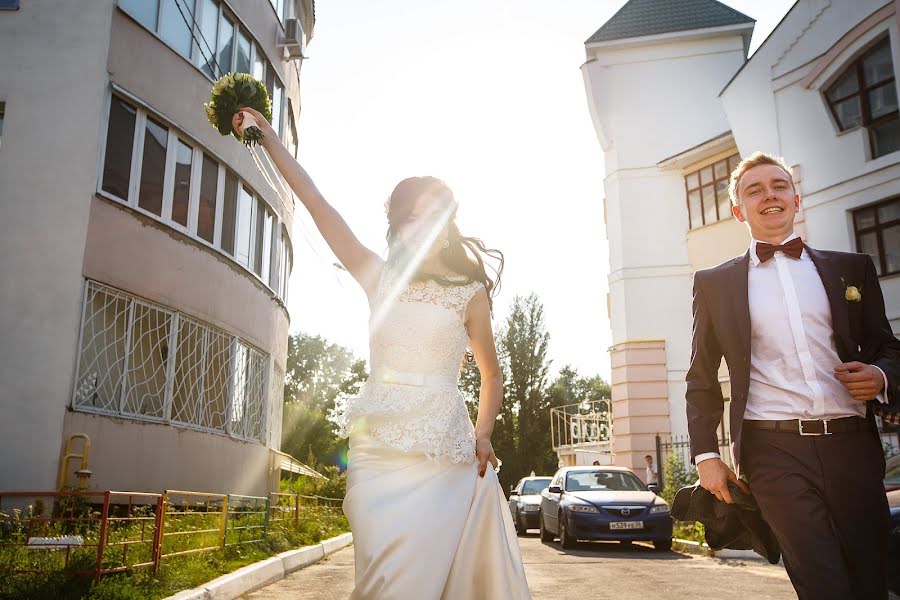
<point>228,95</point>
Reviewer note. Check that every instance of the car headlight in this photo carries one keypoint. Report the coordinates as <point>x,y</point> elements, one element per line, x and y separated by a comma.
<point>583,509</point>
<point>531,507</point>
<point>659,508</point>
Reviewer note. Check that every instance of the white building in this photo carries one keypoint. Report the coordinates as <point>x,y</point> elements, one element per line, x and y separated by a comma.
<point>144,257</point>
<point>675,103</point>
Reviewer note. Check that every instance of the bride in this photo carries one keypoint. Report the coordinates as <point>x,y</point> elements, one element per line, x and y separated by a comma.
<point>428,516</point>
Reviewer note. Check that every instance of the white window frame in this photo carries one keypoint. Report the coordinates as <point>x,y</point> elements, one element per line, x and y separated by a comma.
<point>176,133</point>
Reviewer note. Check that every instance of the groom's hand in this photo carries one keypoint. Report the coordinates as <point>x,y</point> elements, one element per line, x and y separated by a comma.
<point>863,381</point>
<point>714,477</point>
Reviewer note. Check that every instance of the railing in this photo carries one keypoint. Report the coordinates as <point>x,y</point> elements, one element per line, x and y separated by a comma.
<point>580,425</point>
<point>97,533</point>
<point>681,446</point>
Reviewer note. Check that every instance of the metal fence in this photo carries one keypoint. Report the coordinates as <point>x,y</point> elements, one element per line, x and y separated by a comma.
<point>97,533</point>
<point>680,447</point>
<point>141,360</point>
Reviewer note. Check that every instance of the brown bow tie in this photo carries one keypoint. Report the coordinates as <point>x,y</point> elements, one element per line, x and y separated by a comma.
<point>793,248</point>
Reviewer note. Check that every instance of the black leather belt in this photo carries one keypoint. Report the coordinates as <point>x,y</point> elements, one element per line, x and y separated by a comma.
<point>812,426</point>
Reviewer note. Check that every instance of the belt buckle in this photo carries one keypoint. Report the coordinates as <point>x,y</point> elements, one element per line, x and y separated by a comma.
<point>824,425</point>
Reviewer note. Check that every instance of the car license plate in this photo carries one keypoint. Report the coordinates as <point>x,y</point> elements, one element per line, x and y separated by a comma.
<point>626,525</point>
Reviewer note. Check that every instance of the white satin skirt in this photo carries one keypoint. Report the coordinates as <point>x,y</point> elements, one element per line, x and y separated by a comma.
<point>428,530</point>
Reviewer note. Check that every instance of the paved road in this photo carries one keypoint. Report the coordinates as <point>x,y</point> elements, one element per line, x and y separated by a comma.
<point>592,570</point>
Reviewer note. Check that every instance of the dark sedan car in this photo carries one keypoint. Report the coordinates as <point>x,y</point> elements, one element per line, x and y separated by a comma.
<point>525,502</point>
<point>603,503</point>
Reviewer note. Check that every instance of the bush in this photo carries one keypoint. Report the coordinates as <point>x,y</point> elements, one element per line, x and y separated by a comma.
<point>677,476</point>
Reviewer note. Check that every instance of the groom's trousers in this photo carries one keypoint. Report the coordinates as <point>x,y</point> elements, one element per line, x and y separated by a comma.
<point>824,499</point>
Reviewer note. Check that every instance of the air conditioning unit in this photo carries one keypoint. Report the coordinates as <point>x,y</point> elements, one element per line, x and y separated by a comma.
<point>293,39</point>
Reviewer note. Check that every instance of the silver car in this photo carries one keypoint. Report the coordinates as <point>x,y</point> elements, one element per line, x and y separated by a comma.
<point>525,502</point>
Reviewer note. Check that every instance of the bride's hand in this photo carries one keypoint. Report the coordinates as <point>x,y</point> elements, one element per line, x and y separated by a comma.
<point>238,118</point>
<point>484,452</point>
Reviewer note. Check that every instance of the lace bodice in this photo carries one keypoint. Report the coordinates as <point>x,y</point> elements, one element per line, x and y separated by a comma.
<point>417,341</point>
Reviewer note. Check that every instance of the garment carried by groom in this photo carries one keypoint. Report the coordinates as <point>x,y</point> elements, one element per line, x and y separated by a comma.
<point>797,340</point>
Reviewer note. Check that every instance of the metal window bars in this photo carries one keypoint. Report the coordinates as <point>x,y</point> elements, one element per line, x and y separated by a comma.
<point>144,361</point>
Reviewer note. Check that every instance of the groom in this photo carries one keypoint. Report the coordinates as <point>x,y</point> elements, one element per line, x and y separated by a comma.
<point>811,358</point>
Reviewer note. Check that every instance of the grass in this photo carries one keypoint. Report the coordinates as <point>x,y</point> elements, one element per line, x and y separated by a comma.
<point>175,573</point>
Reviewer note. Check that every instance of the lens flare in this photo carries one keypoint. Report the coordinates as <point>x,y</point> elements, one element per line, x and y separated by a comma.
<point>409,268</point>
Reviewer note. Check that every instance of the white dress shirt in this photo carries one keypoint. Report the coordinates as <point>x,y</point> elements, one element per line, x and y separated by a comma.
<point>792,346</point>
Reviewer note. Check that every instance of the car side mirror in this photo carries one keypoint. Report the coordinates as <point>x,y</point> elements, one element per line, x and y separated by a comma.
<point>554,489</point>
<point>653,488</point>
<point>513,494</point>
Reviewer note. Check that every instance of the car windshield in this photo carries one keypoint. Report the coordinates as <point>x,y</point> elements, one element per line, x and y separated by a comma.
<point>615,481</point>
<point>535,486</point>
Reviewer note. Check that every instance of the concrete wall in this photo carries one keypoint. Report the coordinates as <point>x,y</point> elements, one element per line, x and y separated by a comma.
<point>52,77</point>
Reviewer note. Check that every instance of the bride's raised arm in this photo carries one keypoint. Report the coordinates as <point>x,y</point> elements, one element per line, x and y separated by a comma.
<point>363,264</point>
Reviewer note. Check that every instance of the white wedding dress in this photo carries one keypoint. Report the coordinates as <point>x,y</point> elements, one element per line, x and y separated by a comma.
<point>425,525</point>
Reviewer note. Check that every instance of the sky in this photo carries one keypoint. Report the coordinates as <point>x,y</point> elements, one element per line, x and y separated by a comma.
<point>489,97</point>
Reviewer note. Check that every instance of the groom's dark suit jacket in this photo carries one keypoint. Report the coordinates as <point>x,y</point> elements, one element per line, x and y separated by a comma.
<point>722,327</point>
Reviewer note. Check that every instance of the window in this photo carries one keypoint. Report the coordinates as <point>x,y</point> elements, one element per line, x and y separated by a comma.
<point>878,235</point>
<point>245,222</point>
<point>126,367</point>
<point>707,192</point>
<point>258,69</point>
<point>119,142</point>
<point>9,4</point>
<point>229,212</point>
<point>151,166</point>
<point>208,32</point>
<point>865,95</point>
<point>226,45</point>
<point>206,215</point>
<point>2,115</point>
<point>242,64</point>
<point>181,193</point>
<point>290,133</point>
<point>144,12</point>
<point>175,24</point>
<point>277,100</point>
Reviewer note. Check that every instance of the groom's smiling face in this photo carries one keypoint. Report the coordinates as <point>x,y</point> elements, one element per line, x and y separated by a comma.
<point>767,203</point>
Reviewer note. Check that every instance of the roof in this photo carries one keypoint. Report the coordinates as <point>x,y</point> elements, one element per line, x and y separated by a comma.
<point>640,18</point>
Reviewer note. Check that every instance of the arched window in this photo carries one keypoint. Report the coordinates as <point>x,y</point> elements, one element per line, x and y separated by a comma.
<point>865,95</point>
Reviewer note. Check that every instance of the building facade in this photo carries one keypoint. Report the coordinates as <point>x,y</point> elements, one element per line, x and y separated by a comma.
<point>145,258</point>
<point>675,103</point>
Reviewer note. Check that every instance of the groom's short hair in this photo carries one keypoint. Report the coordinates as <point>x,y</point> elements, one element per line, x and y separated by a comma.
<point>754,160</point>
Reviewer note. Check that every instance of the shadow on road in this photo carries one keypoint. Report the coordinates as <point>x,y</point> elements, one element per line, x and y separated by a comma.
<point>637,550</point>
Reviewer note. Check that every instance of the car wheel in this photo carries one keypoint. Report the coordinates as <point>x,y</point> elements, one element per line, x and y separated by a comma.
<point>663,545</point>
<point>565,540</point>
<point>545,535</point>
<point>520,527</point>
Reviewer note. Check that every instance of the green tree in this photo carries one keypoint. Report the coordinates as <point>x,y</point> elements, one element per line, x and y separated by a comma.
<point>318,375</point>
<point>522,429</point>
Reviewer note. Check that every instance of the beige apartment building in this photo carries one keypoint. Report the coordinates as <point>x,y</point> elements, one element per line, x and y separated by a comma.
<point>144,258</point>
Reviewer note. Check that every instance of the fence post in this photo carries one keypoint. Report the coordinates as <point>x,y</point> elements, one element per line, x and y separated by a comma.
<point>266,524</point>
<point>224,519</point>
<point>296,511</point>
<point>660,473</point>
<point>158,535</point>
<point>101,543</point>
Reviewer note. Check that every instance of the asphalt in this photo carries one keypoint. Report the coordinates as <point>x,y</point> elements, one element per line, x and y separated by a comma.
<point>590,570</point>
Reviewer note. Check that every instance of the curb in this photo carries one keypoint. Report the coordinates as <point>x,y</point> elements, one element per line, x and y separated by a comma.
<point>691,547</point>
<point>265,572</point>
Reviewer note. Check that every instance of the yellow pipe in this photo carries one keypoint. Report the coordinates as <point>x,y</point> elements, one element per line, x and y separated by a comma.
<point>68,455</point>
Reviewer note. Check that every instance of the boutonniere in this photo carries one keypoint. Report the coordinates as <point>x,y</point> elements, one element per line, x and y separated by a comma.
<point>852,293</point>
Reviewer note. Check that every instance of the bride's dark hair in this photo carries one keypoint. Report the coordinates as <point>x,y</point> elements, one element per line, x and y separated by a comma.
<point>464,255</point>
